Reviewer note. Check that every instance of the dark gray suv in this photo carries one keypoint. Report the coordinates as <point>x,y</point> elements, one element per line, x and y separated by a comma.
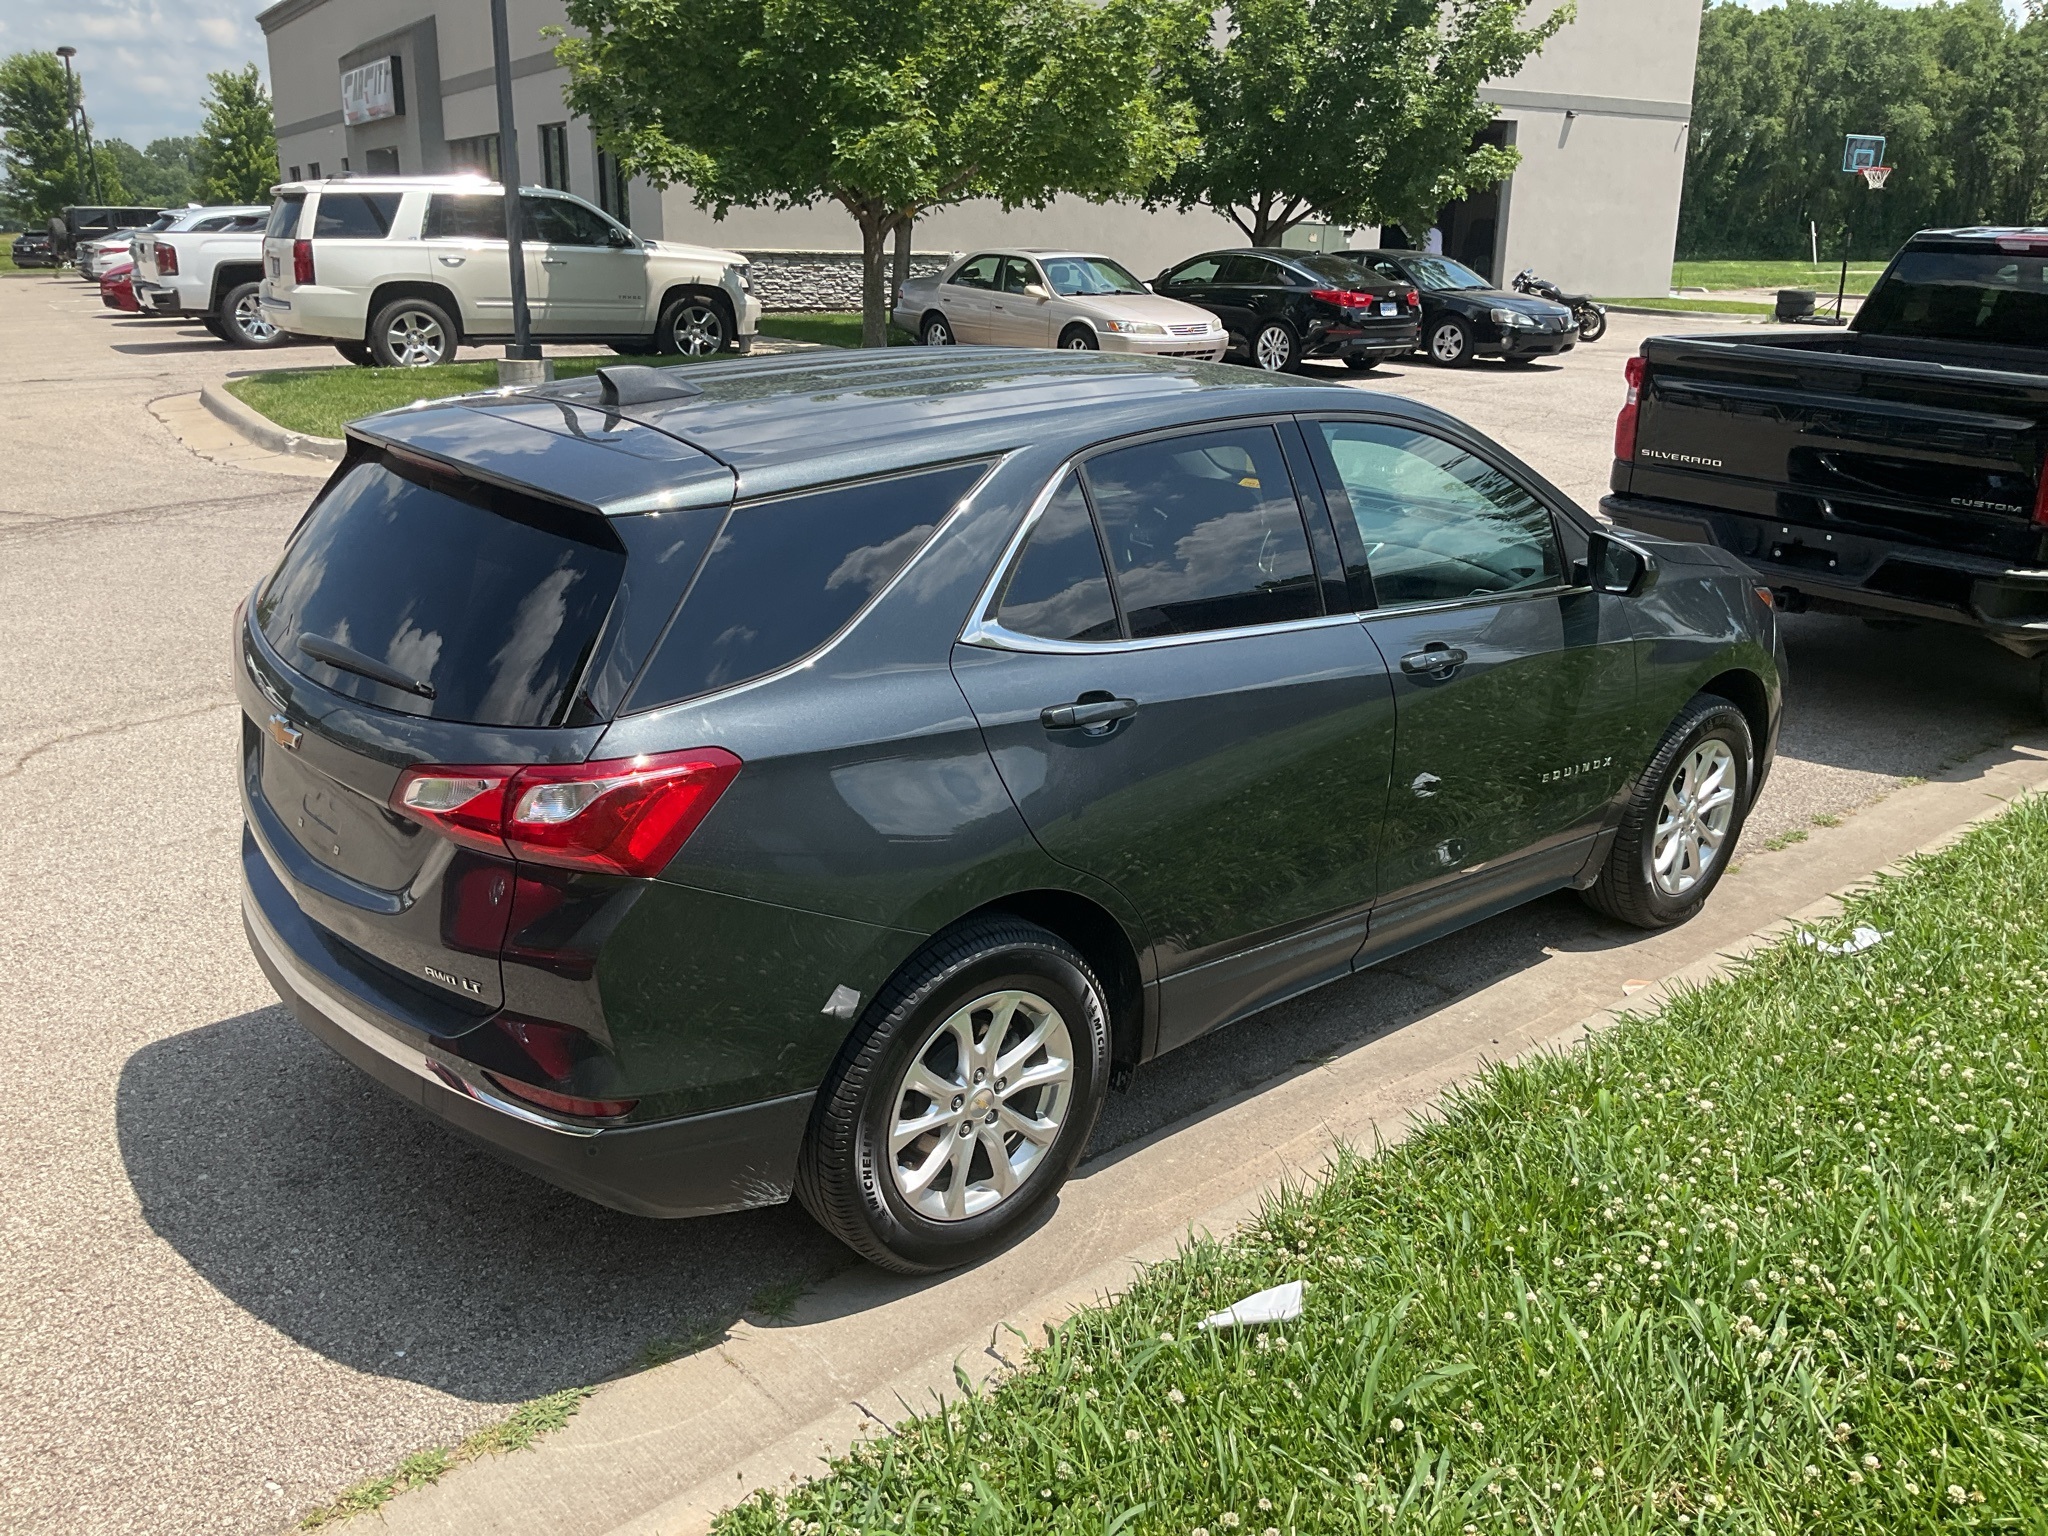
<point>823,776</point>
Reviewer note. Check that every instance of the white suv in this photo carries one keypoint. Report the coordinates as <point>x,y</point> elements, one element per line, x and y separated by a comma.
<point>399,270</point>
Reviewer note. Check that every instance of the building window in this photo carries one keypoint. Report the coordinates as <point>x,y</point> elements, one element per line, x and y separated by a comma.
<point>554,156</point>
<point>380,162</point>
<point>478,155</point>
<point>292,173</point>
<point>344,165</point>
<point>312,170</point>
<point>611,188</point>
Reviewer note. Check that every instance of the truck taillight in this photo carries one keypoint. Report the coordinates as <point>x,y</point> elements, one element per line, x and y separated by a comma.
<point>626,816</point>
<point>1625,423</point>
<point>166,260</point>
<point>302,261</point>
<point>2041,494</point>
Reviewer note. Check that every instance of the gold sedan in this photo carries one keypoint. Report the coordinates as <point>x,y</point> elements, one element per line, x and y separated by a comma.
<point>1071,299</point>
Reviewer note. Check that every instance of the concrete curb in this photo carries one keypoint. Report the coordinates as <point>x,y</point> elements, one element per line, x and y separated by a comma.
<point>261,430</point>
<point>1688,314</point>
<point>661,1453</point>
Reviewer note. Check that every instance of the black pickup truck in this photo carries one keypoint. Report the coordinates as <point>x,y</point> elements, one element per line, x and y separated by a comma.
<point>1894,467</point>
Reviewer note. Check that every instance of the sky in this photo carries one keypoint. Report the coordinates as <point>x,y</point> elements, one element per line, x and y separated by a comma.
<point>145,62</point>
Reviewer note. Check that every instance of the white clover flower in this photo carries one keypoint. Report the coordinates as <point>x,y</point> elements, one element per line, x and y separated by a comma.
<point>1174,1397</point>
<point>1396,1425</point>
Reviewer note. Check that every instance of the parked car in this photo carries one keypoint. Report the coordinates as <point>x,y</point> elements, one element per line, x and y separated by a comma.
<point>401,270</point>
<point>1034,298</point>
<point>1898,467</point>
<point>1280,307</point>
<point>93,257</point>
<point>1464,316</point>
<point>208,263</point>
<point>117,288</point>
<point>35,250</point>
<point>822,775</point>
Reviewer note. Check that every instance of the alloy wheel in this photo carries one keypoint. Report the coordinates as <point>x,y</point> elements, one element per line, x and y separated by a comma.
<point>251,321</point>
<point>1692,823</point>
<point>1274,349</point>
<point>937,333</point>
<point>1447,344</point>
<point>980,1105</point>
<point>415,339</point>
<point>699,331</point>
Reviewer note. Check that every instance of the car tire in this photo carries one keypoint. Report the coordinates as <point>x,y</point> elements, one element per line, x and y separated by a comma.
<point>357,352</point>
<point>1358,363</point>
<point>212,326</point>
<point>917,1207</point>
<point>692,326</point>
<point>1592,325</point>
<point>413,333</point>
<point>1275,348</point>
<point>935,331</point>
<point>1450,343</point>
<point>1079,338</point>
<point>242,322</point>
<point>1665,862</point>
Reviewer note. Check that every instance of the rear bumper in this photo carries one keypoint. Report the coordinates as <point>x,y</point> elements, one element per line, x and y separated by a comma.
<point>697,1165</point>
<point>156,299</point>
<point>1396,340</point>
<point>1829,568</point>
<point>335,313</point>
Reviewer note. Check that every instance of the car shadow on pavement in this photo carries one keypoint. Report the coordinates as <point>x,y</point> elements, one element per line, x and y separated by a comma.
<point>361,1229</point>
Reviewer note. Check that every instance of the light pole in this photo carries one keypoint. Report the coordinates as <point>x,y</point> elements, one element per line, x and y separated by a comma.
<point>76,111</point>
<point>522,349</point>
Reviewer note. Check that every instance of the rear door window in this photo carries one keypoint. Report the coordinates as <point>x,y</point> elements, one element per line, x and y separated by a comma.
<point>785,576</point>
<point>284,215</point>
<point>354,215</point>
<point>1059,589</point>
<point>1204,533</point>
<point>464,216</point>
<point>489,602</point>
<point>978,273</point>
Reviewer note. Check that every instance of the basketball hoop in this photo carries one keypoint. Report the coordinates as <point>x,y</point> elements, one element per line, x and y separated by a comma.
<point>1874,176</point>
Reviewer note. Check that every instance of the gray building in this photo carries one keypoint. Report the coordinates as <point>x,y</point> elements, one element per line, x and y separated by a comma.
<point>406,86</point>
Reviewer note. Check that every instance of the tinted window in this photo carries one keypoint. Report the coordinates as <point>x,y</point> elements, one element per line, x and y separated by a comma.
<point>1058,589</point>
<point>208,226</point>
<point>1204,533</point>
<point>284,215</point>
<point>1253,271</point>
<point>1996,297</point>
<point>355,215</point>
<point>491,600</point>
<point>978,273</point>
<point>464,216</point>
<point>1437,523</point>
<point>1336,269</point>
<point>1202,269</point>
<point>1017,274</point>
<point>785,576</point>
<point>561,222</point>
<point>1443,274</point>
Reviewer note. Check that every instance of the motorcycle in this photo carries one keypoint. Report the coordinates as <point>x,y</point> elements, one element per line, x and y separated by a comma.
<point>1591,317</point>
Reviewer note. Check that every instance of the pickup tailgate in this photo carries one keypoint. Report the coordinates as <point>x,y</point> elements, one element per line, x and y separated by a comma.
<point>1821,433</point>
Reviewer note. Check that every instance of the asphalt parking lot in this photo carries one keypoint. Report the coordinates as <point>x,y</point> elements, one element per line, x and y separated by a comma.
<point>235,1277</point>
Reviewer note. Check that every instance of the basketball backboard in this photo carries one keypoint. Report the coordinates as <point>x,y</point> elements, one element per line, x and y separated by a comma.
<point>1860,150</point>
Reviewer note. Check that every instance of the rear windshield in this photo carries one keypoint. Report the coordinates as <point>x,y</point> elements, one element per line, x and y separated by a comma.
<point>489,601</point>
<point>1338,270</point>
<point>354,215</point>
<point>785,576</point>
<point>284,215</point>
<point>1996,297</point>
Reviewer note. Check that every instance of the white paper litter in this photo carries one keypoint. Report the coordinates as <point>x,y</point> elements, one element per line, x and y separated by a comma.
<point>1282,1304</point>
<point>1865,937</point>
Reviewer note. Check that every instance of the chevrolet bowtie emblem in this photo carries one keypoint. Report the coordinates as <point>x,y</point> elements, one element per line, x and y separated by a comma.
<point>281,732</point>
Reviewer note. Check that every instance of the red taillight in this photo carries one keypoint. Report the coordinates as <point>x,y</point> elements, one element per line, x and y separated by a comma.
<point>564,1103</point>
<point>2041,494</point>
<point>1415,298</point>
<point>166,260</point>
<point>1344,299</point>
<point>1625,423</point>
<point>302,261</point>
<point>626,816</point>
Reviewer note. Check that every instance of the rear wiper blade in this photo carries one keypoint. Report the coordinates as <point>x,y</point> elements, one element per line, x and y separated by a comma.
<point>335,654</point>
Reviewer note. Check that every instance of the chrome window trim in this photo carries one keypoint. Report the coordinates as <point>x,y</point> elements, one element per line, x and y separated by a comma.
<point>1445,605</point>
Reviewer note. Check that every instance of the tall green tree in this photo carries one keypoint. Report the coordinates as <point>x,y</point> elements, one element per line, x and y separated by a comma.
<point>1350,111</point>
<point>237,152</point>
<point>39,153</point>
<point>889,108</point>
<point>162,174</point>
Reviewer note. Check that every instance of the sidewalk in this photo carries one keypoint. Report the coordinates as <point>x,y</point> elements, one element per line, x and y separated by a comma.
<point>660,1453</point>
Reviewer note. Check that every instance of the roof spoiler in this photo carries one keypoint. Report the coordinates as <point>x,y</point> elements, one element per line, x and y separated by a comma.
<point>638,384</point>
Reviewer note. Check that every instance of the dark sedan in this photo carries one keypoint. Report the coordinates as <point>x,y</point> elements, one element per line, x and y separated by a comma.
<point>1281,307</point>
<point>1464,316</point>
<point>34,250</point>
<point>822,775</point>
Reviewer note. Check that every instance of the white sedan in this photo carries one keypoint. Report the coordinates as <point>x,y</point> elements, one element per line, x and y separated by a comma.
<point>1071,299</point>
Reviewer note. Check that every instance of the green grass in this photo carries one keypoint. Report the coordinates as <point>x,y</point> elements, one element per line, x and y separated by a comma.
<point>321,401</point>
<point>826,329</point>
<point>1767,1260</point>
<point>1772,274</point>
<point>515,1432</point>
<point>1698,306</point>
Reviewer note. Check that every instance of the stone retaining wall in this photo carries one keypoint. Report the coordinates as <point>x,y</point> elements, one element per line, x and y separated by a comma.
<point>819,280</point>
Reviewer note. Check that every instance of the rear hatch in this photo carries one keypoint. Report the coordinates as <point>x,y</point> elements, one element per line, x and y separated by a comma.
<point>424,615</point>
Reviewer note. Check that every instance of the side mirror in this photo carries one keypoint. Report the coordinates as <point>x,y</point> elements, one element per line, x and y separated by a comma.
<point>1618,569</point>
<point>621,240</point>
<point>1149,288</point>
<point>1038,291</point>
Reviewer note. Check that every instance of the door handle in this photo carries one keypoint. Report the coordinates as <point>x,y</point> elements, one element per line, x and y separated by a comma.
<point>453,261</point>
<point>1086,712</point>
<point>1434,660</point>
<point>554,261</point>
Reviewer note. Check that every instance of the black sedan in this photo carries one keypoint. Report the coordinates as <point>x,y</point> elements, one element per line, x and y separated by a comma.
<point>34,250</point>
<point>1464,316</point>
<point>1283,306</point>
